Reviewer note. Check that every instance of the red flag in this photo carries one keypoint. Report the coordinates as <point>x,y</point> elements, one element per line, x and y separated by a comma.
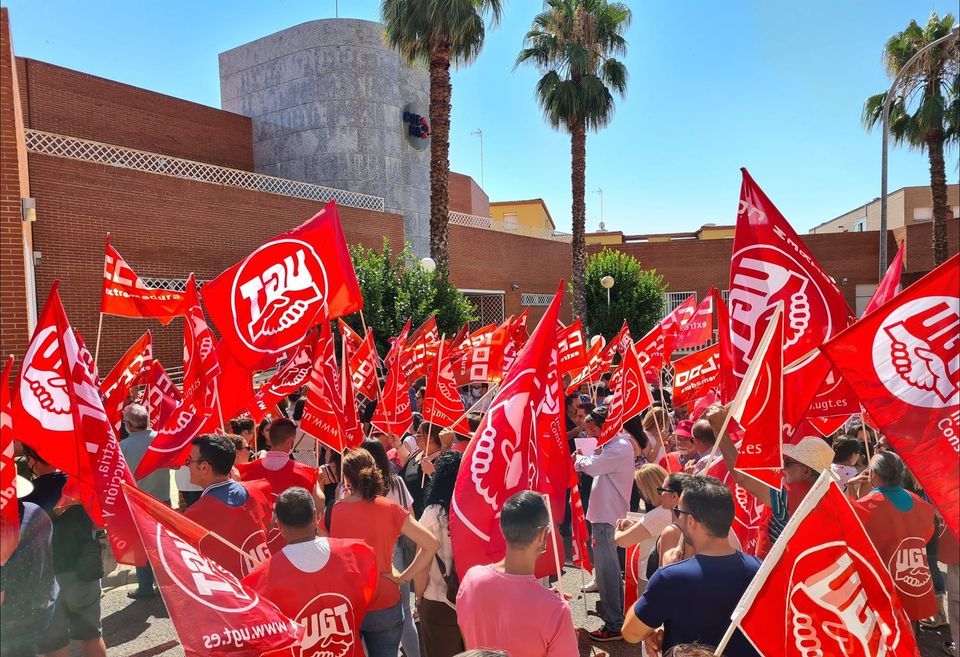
<point>823,588</point>
<point>212,612</point>
<point>827,425</point>
<point>675,322</point>
<point>503,459</point>
<point>393,413</point>
<point>171,446</point>
<point>556,462</point>
<point>650,351</point>
<point>758,406</point>
<point>728,379</point>
<point>593,358</point>
<point>578,525</point>
<point>889,285</point>
<point>750,515</point>
<point>200,364</point>
<point>363,368</point>
<point>116,387</point>
<point>699,329</point>
<point>265,304</point>
<point>126,295</point>
<point>161,396</point>
<point>705,402</point>
<point>620,341</point>
<point>9,513</point>
<point>441,403</point>
<point>770,263</point>
<point>572,348</point>
<point>234,386</point>
<point>419,350</point>
<point>460,336</point>
<point>695,374</point>
<point>349,418</point>
<point>351,337</point>
<point>631,395</point>
<point>518,329</point>
<point>635,564</point>
<point>485,358</point>
<point>324,416</point>
<point>903,363</point>
<point>292,376</point>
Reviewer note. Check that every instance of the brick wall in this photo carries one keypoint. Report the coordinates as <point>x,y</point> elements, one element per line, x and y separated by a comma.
<point>701,264</point>
<point>164,227</point>
<point>483,259</point>
<point>14,185</point>
<point>69,102</point>
<point>466,196</point>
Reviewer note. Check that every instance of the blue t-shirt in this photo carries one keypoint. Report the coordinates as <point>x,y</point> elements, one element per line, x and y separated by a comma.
<point>694,600</point>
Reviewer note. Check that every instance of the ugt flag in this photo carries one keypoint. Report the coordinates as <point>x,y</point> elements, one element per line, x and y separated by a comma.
<point>265,304</point>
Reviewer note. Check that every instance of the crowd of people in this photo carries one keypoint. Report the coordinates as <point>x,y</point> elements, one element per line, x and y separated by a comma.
<point>371,528</point>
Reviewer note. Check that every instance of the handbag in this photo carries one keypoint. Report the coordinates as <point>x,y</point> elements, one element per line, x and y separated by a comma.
<point>451,579</point>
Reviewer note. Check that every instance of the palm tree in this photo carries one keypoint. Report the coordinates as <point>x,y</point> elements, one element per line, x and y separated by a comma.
<point>923,114</point>
<point>438,33</point>
<point>573,43</point>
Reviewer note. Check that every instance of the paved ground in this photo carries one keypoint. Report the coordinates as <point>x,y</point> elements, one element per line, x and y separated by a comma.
<point>143,628</point>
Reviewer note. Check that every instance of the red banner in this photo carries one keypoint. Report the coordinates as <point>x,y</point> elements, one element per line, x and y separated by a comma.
<point>503,459</point>
<point>363,368</point>
<point>265,304</point>
<point>126,295</point>
<point>650,350</point>
<point>578,525</point>
<point>171,446</point>
<point>699,329</point>
<point>351,337</point>
<point>728,378</point>
<point>419,350</point>
<point>902,361</point>
<point>200,364</point>
<point>393,414</point>
<point>212,612</point>
<point>890,284</point>
<point>621,341</point>
<point>291,377</point>
<point>825,426</point>
<point>693,375</point>
<point>9,513</point>
<point>631,395</point>
<point>771,264</point>
<point>675,322</point>
<point>485,357</point>
<point>823,588</point>
<point>635,564</point>
<point>161,396</point>
<point>116,387</point>
<point>324,416</point>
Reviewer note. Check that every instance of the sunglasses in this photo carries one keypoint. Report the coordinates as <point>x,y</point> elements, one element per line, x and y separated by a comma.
<point>666,490</point>
<point>788,462</point>
<point>677,511</point>
<point>191,461</point>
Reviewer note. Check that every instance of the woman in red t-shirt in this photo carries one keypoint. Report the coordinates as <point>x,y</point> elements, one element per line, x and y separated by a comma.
<point>366,515</point>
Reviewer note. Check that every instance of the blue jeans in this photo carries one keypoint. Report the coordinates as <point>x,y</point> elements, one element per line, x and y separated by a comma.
<point>381,631</point>
<point>608,577</point>
<point>410,640</point>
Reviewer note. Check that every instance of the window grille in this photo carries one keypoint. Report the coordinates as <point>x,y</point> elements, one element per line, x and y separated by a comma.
<point>671,300</point>
<point>488,307</point>
<point>536,299</point>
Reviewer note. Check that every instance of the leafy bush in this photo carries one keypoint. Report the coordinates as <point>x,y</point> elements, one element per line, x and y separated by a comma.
<point>396,288</point>
<point>637,295</point>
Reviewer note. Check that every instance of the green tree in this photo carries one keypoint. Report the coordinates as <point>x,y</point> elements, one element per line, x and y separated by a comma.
<point>574,44</point>
<point>396,288</point>
<point>924,111</point>
<point>636,295</point>
<point>438,33</point>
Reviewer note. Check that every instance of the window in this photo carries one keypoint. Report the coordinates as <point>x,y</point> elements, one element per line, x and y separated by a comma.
<point>173,284</point>
<point>922,214</point>
<point>510,218</point>
<point>536,299</point>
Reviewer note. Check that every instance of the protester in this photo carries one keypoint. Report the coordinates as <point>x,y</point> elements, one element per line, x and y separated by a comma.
<point>325,584</point>
<point>245,427</point>
<point>28,588</point>
<point>366,515</point>
<point>502,606</point>
<point>277,468</point>
<point>438,616</point>
<point>656,422</point>
<point>704,437</point>
<point>846,455</point>
<point>263,437</point>
<point>686,449</point>
<point>419,464</point>
<point>900,524</point>
<point>238,511</point>
<point>694,599</point>
<point>571,425</point>
<point>77,564</point>
<point>659,488</point>
<point>136,419</point>
<point>802,464</point>
<point>612,471</point>
<point>405,550</point>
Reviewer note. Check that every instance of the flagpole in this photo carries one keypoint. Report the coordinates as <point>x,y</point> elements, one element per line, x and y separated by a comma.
<point>496,386</point>
<point>866,438</point>
<point>96,350</point>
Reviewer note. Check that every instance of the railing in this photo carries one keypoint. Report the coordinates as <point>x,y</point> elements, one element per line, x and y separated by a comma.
<point>486,223</point>
<point>48,143</point>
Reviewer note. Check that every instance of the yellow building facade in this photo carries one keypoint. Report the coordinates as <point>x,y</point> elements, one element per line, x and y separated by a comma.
<point>531,213</point>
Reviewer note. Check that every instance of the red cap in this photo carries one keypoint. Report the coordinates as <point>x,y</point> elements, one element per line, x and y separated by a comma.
<point>683,429</point>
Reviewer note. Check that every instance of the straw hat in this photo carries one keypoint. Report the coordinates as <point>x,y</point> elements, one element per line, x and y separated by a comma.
<point>24,487</point>
<point>812,451</point>
<point>683,429</point>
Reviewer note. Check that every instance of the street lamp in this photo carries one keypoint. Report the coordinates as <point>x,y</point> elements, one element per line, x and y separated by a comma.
<point>428,265</point>
<point>607,282</point>
<point>886,130</point>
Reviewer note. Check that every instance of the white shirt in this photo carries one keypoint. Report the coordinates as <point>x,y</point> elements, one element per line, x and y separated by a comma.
<point>400,493</point>
<point>308,556</point>
<point>435,520</point>
<point>274,460</point>
<point>612,472</point>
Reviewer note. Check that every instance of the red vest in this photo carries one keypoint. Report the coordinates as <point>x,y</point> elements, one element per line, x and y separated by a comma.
<point>244,526</point>
<point>329,603</point>
<point>290,475</point>
<point>901,539</point>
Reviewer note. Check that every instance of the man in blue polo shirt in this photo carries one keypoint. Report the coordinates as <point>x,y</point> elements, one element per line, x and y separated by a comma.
<point>693,600</point>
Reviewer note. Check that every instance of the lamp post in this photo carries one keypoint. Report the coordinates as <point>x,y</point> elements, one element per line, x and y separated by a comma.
<point>479,133</point>
<point>428,265</point>
<point>886,133</point>
<point>607,282</point>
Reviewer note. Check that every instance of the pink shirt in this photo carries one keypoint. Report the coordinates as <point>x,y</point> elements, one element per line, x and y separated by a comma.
<point>513,613</point>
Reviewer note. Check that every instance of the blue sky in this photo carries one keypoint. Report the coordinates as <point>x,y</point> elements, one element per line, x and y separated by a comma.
<point>776,87</point>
